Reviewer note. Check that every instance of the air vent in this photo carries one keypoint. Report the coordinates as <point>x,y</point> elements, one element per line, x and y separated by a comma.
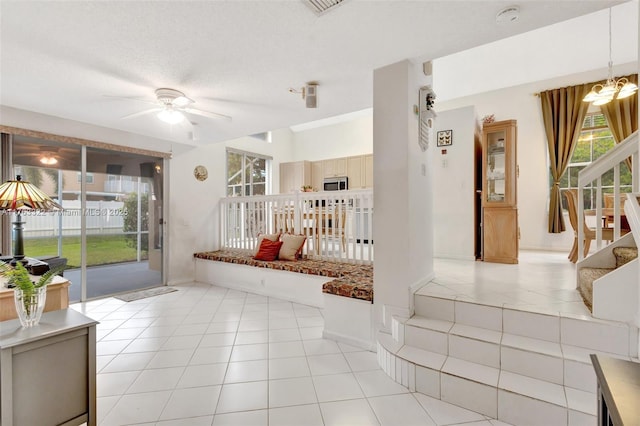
<point>320,7</point>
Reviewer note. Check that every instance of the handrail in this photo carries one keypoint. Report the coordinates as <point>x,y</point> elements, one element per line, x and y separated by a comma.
<point>594,172</point>
<point>604,163</point>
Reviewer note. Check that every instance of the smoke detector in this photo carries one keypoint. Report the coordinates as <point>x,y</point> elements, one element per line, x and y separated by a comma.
<point>508,15</point>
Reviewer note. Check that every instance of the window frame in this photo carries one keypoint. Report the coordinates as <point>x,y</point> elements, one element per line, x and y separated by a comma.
<point>243,185</point>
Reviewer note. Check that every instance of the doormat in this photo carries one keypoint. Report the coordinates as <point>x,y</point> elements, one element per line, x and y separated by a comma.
<point>141,294</point>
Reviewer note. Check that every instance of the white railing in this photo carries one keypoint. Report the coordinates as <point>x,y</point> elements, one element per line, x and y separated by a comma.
<point>611,160</point>
<point>338,224</point>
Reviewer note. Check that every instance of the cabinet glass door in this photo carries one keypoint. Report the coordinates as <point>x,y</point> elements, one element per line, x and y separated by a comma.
<point>496,167</point>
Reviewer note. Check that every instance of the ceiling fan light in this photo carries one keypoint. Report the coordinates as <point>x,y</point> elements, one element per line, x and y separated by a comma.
<point>48,160</point>
<point>182,101</point>
<point>171,116</point>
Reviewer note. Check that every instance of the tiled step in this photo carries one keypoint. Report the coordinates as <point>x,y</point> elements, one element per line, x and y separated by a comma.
<point>519,367</point>
<point>619,339</point>
<point>506,396</point>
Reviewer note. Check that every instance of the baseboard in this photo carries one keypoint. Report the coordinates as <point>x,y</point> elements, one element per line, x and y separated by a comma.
<point>349,340</point>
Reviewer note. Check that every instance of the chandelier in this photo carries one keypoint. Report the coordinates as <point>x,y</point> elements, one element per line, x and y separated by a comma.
<point>601,94</point>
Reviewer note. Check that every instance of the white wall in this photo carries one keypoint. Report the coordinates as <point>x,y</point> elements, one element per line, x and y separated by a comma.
<point>453,185</point>
<point>354,137</point>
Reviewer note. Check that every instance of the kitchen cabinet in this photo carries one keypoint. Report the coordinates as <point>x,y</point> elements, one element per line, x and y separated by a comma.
<point>499,197</point>
<point>360,171</point>
<point>355,170</point>
<point>317,175</point>
<point>334,167</point>
<point>294,175</point>
<point>367,175</point>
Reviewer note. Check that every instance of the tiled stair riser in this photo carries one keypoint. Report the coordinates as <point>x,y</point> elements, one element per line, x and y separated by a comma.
<point>530,364</point>
<point>603,336</point>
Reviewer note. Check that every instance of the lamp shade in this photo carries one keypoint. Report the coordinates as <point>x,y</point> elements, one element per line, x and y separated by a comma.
<point>18,195</point>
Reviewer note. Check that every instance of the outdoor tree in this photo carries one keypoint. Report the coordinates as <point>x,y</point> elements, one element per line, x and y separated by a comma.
<point>131,220</point>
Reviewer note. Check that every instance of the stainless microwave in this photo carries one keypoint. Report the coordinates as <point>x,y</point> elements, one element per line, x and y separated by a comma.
<point>336,184</point>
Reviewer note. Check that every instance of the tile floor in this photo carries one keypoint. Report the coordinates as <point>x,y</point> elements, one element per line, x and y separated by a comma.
<point>206,355</point>
<point>542,282</point>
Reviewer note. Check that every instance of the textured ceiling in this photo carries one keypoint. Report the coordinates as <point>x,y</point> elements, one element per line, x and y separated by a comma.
<point>239,58</point>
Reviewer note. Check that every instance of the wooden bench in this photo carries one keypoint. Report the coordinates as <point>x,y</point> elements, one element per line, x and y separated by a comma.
<point>343,290</point>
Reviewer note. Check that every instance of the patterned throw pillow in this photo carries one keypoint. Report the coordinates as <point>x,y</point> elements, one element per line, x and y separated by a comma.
<point>268,250</point>
<point>291,246</point>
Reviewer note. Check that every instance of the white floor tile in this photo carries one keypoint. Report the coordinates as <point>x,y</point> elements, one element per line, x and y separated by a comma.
<point>187,421</point>
<point>337,387</point>
<point>243,397</point>
<point>129,362</point>
<point>191,402</point>
<point>284,335</point>
<point>137,408</point>
<point>211,355</point>
<point>447,414</point>
<point>328,364</point>
<point>175,358</point>
<point>145,345</point>
<point>279,323</point>
<point>111,384</point>
<point>253,325</point>
<point>202,375</point>
<point>355,412</point>
<point>181,342</point>
<point>377,383</point>
<point>310,333</point>
<point>362,361</point>
<point>243,418</point>
<point>286,349</point>
<point>308,415</point>
<point>321,346</point>
<point>223,327</point>
<point>287,392</point>
<point>156,379</point>
<point>284,368</point>
<point>217,339</point>
<point>399,410</point>
<point>252,337</point>
<point>247,371</point>
<point>250,352</point>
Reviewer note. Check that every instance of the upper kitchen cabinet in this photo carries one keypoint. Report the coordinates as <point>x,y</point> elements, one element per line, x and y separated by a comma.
<point>334,167</point>
<point>360,171</point>
<point>294,175</point>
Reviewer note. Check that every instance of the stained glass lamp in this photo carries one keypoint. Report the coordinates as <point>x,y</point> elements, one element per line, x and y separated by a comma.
<point>19,196</point>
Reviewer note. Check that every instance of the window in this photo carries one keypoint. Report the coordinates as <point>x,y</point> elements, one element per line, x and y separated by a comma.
<point>595,140</point>
<point>89,177</point>
<point>247,174</point>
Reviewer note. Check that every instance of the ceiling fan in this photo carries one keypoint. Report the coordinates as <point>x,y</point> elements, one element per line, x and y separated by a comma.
<point>171,107</point>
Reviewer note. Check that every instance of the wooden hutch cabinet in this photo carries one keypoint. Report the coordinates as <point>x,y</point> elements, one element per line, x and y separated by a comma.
<point>499,192</point>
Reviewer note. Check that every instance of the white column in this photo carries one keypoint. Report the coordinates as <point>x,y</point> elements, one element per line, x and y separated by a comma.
<point>403,228</point>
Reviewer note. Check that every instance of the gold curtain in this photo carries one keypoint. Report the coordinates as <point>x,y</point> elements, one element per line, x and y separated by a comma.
<point>622,115</point>
<point>563,113</point>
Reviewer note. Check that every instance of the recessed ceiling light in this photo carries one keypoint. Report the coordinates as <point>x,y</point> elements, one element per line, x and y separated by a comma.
<point>508,14</point>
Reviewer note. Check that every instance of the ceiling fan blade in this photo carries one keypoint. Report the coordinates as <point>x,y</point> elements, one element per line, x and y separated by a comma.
<point>206,113</point>
<point>132,98</point>
<point>141,113</point>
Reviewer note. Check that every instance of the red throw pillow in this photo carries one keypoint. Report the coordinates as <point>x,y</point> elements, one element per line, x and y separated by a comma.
<point>268,250</point>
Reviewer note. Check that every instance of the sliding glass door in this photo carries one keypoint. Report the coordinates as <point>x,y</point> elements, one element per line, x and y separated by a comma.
<point>110,231</point>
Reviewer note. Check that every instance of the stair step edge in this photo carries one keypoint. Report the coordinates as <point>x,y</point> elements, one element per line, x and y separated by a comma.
<point>529,387</point>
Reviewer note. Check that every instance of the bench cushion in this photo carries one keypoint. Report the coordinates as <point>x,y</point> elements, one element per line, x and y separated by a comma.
<point>351,280</point>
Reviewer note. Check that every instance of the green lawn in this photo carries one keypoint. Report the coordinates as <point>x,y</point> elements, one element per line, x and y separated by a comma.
<point>101,249</point>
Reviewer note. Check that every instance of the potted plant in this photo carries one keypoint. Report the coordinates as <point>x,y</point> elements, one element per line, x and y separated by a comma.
<point>29,296</point>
